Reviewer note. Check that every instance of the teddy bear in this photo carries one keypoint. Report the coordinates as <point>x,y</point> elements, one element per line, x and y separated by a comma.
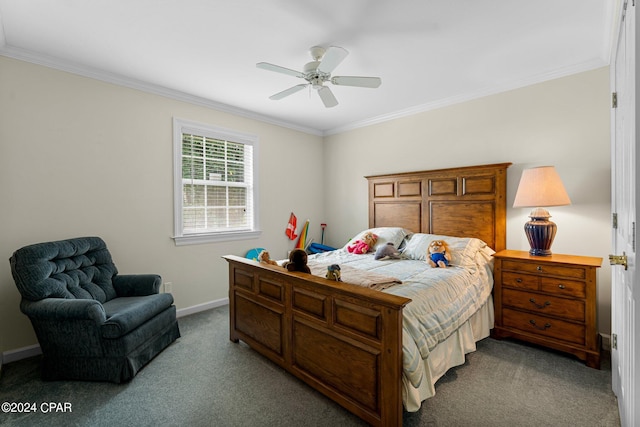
<point>297,261</point>
<point>333,272</point>
<point>363,245</point>
<point>438,254</point>
<point>387,251</point>
<point>265,258</point>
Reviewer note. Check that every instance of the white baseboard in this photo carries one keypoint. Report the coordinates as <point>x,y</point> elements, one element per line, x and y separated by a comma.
<point>202,307</point>
<point>605,342</point>
<point>21,353</point>
<point>34,350</point>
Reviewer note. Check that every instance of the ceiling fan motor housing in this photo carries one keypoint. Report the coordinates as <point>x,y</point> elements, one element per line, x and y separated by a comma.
<point>313,76</point>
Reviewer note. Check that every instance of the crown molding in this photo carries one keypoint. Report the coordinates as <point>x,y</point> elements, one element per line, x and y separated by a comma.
<point>515,84</point>
<point>116,79</point>
<point>67,66</point>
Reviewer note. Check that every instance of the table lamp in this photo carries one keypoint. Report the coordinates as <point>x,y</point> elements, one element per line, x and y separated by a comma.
<point>540,187</point>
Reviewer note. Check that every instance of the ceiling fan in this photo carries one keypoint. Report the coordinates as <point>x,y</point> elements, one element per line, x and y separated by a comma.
<point>318,72</point>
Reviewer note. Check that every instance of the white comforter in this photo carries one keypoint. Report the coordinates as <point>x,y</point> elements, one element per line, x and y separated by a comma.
<point>442,299</point>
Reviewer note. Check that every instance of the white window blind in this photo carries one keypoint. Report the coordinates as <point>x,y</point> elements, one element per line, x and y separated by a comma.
<point>214,184</point>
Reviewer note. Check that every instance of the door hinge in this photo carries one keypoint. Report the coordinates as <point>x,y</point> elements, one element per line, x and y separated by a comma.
<point>614,100</point>
<point>619,260</point>
<point>614,220</point>
<point>614,341</point>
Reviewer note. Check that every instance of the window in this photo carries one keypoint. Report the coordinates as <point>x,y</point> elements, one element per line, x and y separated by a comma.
<point>214,187</point>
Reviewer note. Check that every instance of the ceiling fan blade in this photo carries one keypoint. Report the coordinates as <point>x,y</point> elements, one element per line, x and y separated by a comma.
<point>279,69</point>
<point>288,92</point>
<point>332,58</point>
<point>327,97</point>
<point>372,82</point>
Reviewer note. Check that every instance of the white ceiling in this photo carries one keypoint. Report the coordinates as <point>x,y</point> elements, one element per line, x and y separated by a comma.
<point>429,53</point>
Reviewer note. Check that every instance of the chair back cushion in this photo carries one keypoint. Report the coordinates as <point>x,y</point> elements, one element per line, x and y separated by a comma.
<point>73,268</point>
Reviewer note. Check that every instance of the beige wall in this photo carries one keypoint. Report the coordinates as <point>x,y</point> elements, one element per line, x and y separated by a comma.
<point>563,122</point>
<point>84,157</point>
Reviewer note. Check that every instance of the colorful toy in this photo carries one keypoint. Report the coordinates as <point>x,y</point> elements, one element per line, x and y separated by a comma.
<point>317,248</point>
<point>265,258</point>
<point>363,245</point>
<point>297,261</point>
<point>438,254</point>
<point>302,240</point>
<point>291,227</point>
<point>254,253</point>
<point>333,272</point>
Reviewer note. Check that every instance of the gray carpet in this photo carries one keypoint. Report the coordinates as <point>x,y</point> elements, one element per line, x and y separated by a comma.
<point>205,380</point>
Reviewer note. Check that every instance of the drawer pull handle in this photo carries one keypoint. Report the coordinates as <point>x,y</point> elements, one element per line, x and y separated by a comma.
<point>533,301</point>
<point>546,325</point>
<point>539,268</point>
<point>561,286</point>
<point>518,280</point>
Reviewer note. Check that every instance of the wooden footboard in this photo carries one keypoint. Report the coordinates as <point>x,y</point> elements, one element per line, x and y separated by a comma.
<point>343,340</point>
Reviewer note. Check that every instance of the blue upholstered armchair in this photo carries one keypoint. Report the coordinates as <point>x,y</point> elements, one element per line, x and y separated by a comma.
<point>91,322</point>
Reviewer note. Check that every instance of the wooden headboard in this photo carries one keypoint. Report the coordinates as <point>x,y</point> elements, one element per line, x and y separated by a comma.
<point>462,202</point>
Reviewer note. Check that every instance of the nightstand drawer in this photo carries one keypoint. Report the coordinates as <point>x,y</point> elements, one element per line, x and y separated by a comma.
<point>563,287</point>
<point>522,281</point>
<point>543,268</point>
<point>546,326</point>
<point>569,309</point>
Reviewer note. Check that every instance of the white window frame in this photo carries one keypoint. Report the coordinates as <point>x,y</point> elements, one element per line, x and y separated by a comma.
<point>181,126</point>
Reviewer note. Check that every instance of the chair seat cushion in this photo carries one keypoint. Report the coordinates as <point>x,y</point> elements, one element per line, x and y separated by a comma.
<point>127,313</point>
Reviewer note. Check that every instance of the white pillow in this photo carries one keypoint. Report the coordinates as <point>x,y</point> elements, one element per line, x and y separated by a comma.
<point>463,249</point>
<point>394,235</point>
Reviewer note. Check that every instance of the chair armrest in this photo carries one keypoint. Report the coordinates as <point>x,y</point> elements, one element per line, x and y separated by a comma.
<point>64,309</point>
<point>136,285</point>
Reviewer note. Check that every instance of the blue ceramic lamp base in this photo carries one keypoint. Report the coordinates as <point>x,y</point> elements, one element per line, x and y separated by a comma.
<point>540,232</point>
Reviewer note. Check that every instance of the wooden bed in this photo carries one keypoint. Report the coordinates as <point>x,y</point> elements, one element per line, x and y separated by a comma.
<point>344,340</point>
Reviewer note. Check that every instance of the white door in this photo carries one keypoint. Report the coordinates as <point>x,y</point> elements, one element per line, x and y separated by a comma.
<point>625,293</point>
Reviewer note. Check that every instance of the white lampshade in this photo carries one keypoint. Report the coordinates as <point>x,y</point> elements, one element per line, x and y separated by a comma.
<point>540,187</point>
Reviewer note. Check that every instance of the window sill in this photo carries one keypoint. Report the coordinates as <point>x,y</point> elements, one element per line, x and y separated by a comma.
<point>196,239</point>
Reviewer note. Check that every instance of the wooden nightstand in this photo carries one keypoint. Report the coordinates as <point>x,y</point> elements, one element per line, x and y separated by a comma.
<point>549,301</point>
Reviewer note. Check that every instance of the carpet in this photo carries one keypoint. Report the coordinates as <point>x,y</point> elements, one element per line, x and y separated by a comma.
<point>203,379</point>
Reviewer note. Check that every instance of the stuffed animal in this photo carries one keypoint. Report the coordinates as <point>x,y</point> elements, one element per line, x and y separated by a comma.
<point>265,258</point>
<point>297,261</point>
<point>364,245</point>
<point>387,251</point>
<point>333,272</point>
<point>438,254</point>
